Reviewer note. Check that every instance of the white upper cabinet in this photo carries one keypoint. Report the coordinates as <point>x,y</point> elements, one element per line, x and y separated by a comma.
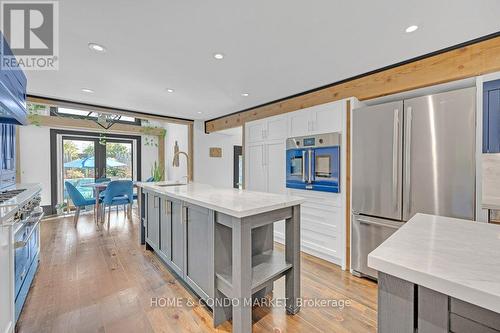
<point>319,119</point>
<point>299,122</point>
<point>276,128</point>
<point>254,131</point>
<point>327,118</point>
<point>272,128</point>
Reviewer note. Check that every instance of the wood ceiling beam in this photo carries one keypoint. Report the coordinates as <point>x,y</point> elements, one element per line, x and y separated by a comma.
<point>90,125</point>
<point>464,61</point>
<point>108,110</point>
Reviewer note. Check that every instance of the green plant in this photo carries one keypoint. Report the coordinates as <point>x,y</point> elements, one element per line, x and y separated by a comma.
<point>34,111</point>
<point>157,172</point>
<point>61,205</point>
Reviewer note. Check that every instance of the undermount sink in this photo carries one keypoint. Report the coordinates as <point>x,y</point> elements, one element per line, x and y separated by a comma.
<point>168,185</point>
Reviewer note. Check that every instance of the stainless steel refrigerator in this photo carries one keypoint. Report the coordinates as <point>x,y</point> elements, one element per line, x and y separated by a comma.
<point>408,157</point>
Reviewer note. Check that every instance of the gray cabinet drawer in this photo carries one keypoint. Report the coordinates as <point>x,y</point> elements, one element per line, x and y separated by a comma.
<point>485,317</point>
<point>459,324</point>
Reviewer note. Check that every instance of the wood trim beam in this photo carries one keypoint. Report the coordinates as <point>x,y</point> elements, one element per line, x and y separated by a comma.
<point>459,63</point>
<point>74,123</point>
<point>161,156</point>
<point>102,109</point>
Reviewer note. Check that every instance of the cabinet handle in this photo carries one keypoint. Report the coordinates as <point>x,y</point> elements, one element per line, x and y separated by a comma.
<point>184,214</point>
<point>167,207</point>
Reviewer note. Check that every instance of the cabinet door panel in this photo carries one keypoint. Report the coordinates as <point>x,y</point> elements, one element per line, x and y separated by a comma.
<point>299,123</point>
<point>254,131</point>
<point>152,222</point>
<point>199,248</point>
<point>276,128</point>
<point>256,174</point>
<point>177,248</point>
<point>276,168</point>
<point>492,113</point>
<point>166,229</point>
<point>328,118</point>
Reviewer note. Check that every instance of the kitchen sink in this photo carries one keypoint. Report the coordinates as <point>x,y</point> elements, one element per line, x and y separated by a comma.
<point>169,185</point>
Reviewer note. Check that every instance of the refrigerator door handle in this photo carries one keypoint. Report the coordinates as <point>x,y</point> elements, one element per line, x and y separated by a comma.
<point>311,177</point>
<point>304,166</point>
<point>362,221</point>
<point>408,161</point>
<point>395,148</point>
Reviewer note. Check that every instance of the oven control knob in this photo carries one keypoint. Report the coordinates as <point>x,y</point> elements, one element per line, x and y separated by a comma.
<point>298,143</point>
<point>320,140</point>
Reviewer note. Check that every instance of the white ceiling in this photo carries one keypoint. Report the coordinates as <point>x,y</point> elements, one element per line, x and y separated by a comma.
<point>273,48</point>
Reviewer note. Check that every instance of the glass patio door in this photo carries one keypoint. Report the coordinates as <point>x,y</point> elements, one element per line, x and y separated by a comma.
<point>118,163</point>
<point>79,164</point>
<point>85,159</point>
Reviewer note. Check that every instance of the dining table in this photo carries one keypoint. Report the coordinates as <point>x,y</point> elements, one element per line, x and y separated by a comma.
<point>98,188</point>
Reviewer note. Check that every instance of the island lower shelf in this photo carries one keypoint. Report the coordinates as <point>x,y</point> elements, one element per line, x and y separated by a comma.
<point>266,267</point>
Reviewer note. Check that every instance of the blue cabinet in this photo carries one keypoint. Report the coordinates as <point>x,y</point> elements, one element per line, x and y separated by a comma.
<point>491,117</point>
<point>12,89</point>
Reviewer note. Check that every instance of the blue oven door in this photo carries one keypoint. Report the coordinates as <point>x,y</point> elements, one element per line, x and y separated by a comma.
<point>296,168</point>
<point>325,173</point>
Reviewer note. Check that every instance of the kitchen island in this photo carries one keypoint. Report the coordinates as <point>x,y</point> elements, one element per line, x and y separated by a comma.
<point>439,274</point>
<point>220,243</point>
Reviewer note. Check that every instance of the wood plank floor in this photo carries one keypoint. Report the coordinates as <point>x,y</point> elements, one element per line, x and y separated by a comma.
<point>104,281</point>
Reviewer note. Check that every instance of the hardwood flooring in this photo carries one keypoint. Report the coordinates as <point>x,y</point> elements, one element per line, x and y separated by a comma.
<point>103,281</point>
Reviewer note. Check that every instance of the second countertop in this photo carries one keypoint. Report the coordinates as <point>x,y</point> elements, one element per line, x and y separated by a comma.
<point>455,257</point>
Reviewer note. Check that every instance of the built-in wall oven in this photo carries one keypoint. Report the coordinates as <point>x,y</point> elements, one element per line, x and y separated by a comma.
<point>313,162</point>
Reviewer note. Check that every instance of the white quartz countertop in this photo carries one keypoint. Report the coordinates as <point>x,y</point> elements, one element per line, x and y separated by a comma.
<point>9,207</point>
<point>455,257</point>
<point>234,202</point>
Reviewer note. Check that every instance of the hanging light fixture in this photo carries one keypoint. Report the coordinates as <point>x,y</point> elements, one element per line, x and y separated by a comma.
<point>106,120</point>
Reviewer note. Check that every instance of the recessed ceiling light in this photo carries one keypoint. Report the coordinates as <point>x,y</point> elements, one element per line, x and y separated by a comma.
<point>170,90</point>
<point>87,90</point>
<point>199,112</point>
<point>411,28</point>
<point>218,56</point>
<point>245,94</point>
<point>97,47</point>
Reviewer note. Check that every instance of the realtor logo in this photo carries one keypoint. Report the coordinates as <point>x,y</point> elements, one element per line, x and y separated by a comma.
<point>31,30</point>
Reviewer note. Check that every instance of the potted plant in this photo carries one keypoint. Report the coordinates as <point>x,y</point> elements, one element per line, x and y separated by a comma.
<point>60,207</point>
<point>157,172</point>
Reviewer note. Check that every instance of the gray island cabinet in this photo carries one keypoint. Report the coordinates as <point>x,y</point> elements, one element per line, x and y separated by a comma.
<point>439,275</point>
<point>220,243</point>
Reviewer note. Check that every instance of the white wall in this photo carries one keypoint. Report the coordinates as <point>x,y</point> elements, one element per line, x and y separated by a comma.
<point>34,156</point>
<point>213,170</point>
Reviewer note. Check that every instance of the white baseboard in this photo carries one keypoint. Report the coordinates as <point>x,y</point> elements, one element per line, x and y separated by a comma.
<point>311,249</point>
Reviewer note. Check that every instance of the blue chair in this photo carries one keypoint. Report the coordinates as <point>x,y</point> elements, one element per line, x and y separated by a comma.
<point>118,192</point>
<point>78,200</point>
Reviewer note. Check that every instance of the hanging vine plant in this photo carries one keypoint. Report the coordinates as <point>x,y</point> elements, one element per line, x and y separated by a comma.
<point>152,137</point>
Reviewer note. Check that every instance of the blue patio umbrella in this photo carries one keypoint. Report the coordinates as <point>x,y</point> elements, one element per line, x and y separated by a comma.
<point>89,162</point>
